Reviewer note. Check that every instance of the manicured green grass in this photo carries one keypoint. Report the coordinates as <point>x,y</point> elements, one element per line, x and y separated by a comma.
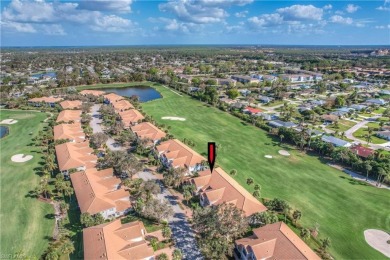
<point>343,125</point>
<point>26,223</point>
<point>344,209</point>
<point>379,110</point>
<point>361,132</point>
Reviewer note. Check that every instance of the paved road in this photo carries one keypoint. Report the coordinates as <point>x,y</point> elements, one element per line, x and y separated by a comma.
<point>181,231</point>
<point>349,135</point>
<point>97,128</point>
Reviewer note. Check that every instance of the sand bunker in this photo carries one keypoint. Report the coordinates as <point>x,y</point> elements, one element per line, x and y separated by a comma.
<point>284,153</point>
<point>174,118</point>
<point>268,156</point>
<point>21,158</point>
<point>378,240</point>
<point>9,121</point>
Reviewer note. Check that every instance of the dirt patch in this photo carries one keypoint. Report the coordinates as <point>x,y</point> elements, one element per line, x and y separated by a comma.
<point>377,239</point>
<point>20,158</point>
<point>284,153</point>
<point>173,118</point>
<point>9,121</point>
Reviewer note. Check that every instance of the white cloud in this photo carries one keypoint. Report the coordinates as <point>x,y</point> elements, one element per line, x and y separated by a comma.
<point>382,26</point>
<point>241,14</point>
<point>53,29</point>
<point>18,27</point>
<point>341,20</point>
<point>301,12</point>
<point>327,7</point>
<point>174,26</point>
<point>112,23</point>
<point>351,8</point>
<point>385,6</point>
<point>200,11</point>
<point>106,5</point>
<point>265,20</point>
<point>30,16</point>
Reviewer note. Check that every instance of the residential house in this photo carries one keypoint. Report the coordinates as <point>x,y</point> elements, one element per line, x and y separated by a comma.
<point>245,79</point>
<point>267,117</point>
<point>298,78</point>
<point>218,187</point>
<point>75,156</point>
<point>122,105</point>
<point>72,132</point>
<point>311,132</point>
<point>100,192</point>
<point>68,116</point>
<point>130,117</point>
<point>269,78</point>
<point>273,241</point>
<point>112,98</point>
<point>362,151</point>
<point>71,104</point>
<point>318,102</point>
<point>114,240</point>
<point>244,92</point>
<point>48,101</point>
<point>226,82</point>
<point>147,130</point>
<point>335,141</point>
<point>251,110</point>
<point>377,101</point>
<point>174,153</point>
<point>96,93</point>
<point>339,114</point>
<point>384,134</point>
<point>358,107</point>
<point>329,118</point>
<point>265,99</point>
<point>279,123</point>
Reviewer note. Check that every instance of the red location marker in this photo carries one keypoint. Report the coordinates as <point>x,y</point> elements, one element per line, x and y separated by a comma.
<point>211,155</point>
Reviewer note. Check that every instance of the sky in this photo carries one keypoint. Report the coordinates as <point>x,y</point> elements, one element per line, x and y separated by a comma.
<point>143,22</point>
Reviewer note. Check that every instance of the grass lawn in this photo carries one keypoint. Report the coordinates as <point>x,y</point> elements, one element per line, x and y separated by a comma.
<point>344,209</point>
<point>361,132</point>
<point>343,125</point>
<point>379,110</point>
<point>26,223</point>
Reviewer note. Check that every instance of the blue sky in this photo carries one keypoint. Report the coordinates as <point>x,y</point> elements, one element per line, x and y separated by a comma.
<point>137,22</point>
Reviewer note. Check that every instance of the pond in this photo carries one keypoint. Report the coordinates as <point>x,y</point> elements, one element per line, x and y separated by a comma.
<point>3,131</point>
<point>144,93</point>
<point>41,75</point>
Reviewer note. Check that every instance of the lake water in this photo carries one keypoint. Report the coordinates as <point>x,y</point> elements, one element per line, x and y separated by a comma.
<point>143,92</point>
<point>40,75</point>
<point>3,131</point>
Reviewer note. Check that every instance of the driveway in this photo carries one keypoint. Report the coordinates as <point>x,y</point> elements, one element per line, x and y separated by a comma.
<point>181,231</point>
<point>349,135</point>
<point>97,128</point>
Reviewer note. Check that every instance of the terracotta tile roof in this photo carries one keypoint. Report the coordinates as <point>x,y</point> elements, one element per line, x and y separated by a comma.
<point>362,151</point>
<point>122,105</point>
<point>69,115</point>
<point>71,104</point>
<point>252,110</point>
<point>276,241</point>
<point>147,130</point>
<point>92,92</point>
<point>180,154</point>
<point>97,191</point>
<point>116,241</point>
<point>130,117</point>
<point>112,97</point>
<point>45,100</point>
<point>219,187</point>
<point>73,132</point>
<point>74,155</point>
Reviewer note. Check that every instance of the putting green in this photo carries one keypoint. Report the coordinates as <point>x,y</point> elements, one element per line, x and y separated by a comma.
<point>343,208</point>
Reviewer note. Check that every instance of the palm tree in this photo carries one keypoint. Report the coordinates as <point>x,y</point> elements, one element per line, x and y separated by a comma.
<point>296,216</point>
<point>249,181</point>
<point>233,172</point>
<point>256,194</point>
<point>68,190</point>
<point>305,233</point>
<point>281,136</point>
<point>368,168</point>
<point>66,246</point>
<point>325,243</point>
